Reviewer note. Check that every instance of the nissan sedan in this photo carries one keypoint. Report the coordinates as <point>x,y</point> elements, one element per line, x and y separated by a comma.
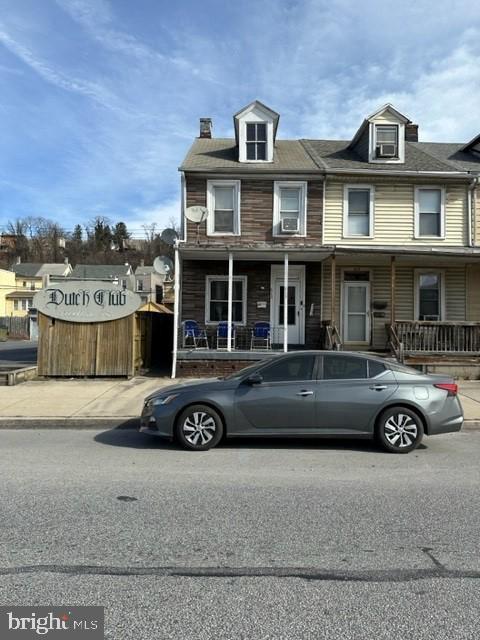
<point>308,394</point>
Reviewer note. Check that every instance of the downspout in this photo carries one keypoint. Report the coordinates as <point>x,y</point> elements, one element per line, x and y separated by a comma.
<point>472,207</point>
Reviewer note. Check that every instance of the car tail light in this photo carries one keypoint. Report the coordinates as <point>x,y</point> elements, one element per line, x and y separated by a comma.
<point>451,387</point>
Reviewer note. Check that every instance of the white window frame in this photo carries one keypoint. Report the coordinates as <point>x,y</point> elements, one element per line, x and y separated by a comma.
<point>371,225</point>
<point>417,235</point>
<point>277,233</point>
<point>211,184</point>
<point>441,274</point>
<point>372,156</point>
<point>208,281</point>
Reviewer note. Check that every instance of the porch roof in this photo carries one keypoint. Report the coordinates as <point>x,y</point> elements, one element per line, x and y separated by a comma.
<point>401,250</point>
<point>258,251</point>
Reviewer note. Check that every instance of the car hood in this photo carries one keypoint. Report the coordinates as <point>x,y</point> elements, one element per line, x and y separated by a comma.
<point>197,385</point>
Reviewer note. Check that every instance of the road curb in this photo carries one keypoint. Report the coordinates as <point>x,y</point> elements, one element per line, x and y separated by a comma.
<point>93,423</point>
<point>96,423</point>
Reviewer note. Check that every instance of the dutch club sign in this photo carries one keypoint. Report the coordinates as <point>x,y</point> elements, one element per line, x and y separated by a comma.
<point>86,301</point>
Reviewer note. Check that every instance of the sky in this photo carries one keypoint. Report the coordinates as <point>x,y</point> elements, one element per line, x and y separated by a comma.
<point>101,99</point>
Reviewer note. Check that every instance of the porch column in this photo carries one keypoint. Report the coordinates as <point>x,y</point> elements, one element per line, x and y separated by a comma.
<point>334,290</point>
<point>392,289</point>
<point>230,301</point>
<point>176,310</point>
<point>285,303</point>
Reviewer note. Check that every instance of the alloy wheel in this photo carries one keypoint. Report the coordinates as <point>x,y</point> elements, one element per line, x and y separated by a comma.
<point>199,428</point>
<point>400,430</point>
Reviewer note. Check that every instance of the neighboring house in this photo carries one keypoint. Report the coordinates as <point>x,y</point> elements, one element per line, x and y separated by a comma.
<point>29,277</point>
<point>121,274</point>
<point>389,224</point>
<point>149,284</point>
<point>7,285</point>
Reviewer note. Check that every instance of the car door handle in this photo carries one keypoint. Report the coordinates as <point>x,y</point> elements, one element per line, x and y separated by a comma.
<point>378,387</point>
<point>305,393</point>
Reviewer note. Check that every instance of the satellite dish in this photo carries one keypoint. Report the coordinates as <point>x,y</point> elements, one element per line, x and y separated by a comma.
<point>169,236</point>
<point>196,214</point>
<point>164,266</point>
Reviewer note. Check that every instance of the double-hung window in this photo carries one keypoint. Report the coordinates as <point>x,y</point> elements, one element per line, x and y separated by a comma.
<point>386,140</point>
<point>290,209</point>
<point>223,203</point>
<point>429,295</point>
<point>358,211</point>
<point>256,141</point>
<point>429,212</point>
<point>216,308</point>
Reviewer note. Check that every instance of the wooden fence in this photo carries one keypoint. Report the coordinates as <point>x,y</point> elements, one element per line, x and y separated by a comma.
<point>17,327</point>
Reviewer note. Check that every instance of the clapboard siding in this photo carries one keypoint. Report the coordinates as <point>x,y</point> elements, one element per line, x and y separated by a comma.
<point>256,213</point>
<point>473,293</point>
<point>380,291</point>
<point>394,213</point>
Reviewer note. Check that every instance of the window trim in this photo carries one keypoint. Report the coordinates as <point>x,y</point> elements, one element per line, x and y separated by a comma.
<point>371,225</point>
<point>417,235</point>
<point>416,305</point>
<point>285,184</point>
<point>372,157</point>
<point>211,184</point>
<point>212,278</point>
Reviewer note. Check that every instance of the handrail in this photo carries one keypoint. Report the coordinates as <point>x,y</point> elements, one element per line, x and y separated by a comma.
<point>333,339</point>
<point>396,347</point>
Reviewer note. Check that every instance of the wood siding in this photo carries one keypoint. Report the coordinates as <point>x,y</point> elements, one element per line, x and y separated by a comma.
<point>473,293</point>
<point>258,274</point>
<point>256,213</point>
<point>86,349</point>
<point>394,213</point>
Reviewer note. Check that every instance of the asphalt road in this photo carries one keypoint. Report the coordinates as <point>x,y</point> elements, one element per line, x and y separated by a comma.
<point>21,352</point>
<point>254,540</point>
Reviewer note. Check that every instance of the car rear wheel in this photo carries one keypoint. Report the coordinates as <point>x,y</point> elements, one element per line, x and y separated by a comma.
<point>199,428</point>
<point>399,430</point>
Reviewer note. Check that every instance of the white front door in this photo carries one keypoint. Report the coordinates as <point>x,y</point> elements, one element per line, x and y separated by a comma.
<point>356,312</point>
<point>295,304</point>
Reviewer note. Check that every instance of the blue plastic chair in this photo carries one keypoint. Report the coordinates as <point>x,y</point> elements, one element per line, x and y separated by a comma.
<point>193,336</point>
<point>261,336</point>
<point>222,335</point>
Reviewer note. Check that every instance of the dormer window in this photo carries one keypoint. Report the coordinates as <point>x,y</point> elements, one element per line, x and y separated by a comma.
<point>256,141</point>
<point>386,141</point>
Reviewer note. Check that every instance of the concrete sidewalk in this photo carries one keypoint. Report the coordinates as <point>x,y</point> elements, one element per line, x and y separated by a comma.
<point>98,403</point>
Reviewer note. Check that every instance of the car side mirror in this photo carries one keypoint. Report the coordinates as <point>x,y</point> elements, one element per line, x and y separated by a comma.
<point>254,378</point>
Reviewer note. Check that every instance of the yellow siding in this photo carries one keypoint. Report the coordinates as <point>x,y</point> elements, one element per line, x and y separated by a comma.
<point>394,214</point>
<point>7,285</point>
<point>473,293</point>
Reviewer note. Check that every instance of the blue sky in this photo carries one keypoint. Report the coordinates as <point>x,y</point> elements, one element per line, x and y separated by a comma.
<point>100,99</point>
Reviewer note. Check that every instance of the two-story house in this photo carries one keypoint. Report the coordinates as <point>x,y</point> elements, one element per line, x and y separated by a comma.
<point>389,224</point>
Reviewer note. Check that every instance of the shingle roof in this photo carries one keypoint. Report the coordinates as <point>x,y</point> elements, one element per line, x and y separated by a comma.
<point>336,154</point>
<point>100,271</point>
<point>221,154</point>
<point>39,269</point>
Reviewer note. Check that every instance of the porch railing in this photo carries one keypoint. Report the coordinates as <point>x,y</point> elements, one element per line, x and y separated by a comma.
<point>396,347</point>
<point>333,341</point>
<point>434,337</point>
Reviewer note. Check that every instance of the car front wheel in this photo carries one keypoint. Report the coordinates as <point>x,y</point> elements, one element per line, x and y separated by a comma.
<point>199,428</point>
<point>399,430</point>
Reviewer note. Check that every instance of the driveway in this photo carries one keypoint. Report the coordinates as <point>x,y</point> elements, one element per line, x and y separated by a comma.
<point>255,539</point>
<point>21,352</point>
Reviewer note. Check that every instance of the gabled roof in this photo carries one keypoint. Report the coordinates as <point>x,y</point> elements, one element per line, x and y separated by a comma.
<point>338,155</point>
<point>471,144</point>
<point>221,155</point>
<point>269,112</point>
<point>144,271</point>
<point>101,271</point>
<point>39,269</point>
<point>386,107</point>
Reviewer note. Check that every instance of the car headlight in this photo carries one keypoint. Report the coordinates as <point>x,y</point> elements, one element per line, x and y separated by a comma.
<point>162,400</point>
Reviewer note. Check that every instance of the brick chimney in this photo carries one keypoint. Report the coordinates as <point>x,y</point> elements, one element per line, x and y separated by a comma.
<point>205,128</point>
<point>411,132</point>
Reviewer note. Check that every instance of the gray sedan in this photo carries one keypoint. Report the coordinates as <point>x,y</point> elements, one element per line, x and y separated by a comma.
<point>311,393</point>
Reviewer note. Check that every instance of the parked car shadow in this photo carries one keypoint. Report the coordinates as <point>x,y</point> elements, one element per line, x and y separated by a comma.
<point>126,436</point>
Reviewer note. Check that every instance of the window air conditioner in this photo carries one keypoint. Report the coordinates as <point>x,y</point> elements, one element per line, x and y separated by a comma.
<point>387,150</point>
<point>289,225</point>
